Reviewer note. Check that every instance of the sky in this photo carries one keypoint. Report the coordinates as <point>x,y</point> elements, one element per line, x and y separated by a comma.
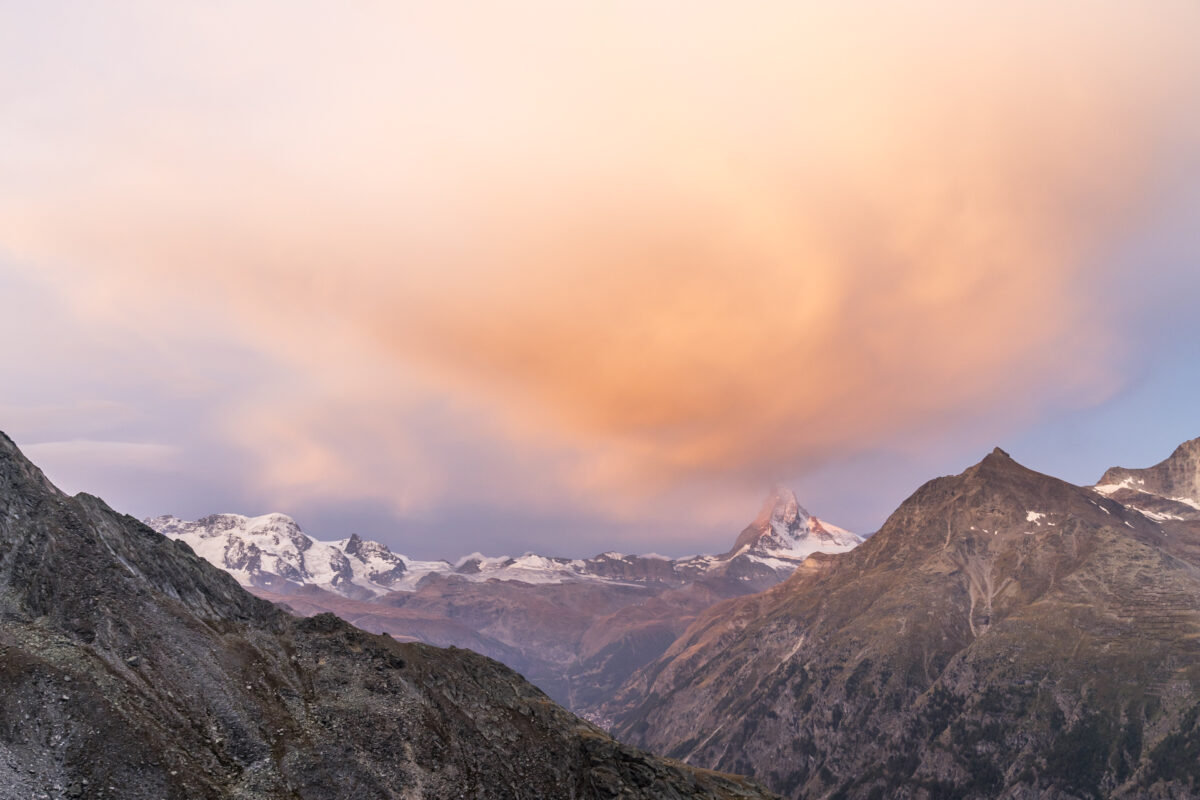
<point>572,277</point>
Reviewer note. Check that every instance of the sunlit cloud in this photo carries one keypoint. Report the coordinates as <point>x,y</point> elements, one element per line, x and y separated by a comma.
<point>613,253</point>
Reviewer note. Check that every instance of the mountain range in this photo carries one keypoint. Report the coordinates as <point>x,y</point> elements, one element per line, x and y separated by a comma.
<point>271,552</point>
<point>1005,634</point>
<point>133,668</point>
<point>577,627</point>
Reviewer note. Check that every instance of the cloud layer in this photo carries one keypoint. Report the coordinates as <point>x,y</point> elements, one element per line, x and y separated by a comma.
<point>604,255</point>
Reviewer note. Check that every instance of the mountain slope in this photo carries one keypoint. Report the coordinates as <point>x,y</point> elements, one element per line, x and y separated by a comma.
<point>134,669</point>
<point>1005,634</point>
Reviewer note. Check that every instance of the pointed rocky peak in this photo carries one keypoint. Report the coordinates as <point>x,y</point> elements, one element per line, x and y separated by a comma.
<point>58,554</point>
<point>1188,450</point>
<point>997,461</point>
<point>19,476</point>
<point>1176,478</point>
<point>780,508</point>
<point>997,506</point>
<point>996,469</point>
<point>999,472</point>
<point>367,550</point>
<point>785,529</point>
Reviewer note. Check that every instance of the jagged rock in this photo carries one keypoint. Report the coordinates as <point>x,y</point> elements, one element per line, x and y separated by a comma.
<point>1168,491</point>
<point>1176,477</point>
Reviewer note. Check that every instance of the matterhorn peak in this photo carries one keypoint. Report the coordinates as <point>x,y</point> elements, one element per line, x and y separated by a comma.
<point>784,529</point>
<point>782,507</point>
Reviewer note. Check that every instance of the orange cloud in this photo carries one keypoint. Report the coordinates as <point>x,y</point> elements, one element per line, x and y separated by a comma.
<point>656,249</point>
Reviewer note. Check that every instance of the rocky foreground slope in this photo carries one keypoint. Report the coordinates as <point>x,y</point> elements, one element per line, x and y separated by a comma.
<point>132,668</point>
<point>577,628</point>
<point>1005,634</point>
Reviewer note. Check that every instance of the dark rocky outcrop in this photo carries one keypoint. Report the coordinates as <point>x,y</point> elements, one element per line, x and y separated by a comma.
<point>131,668</point>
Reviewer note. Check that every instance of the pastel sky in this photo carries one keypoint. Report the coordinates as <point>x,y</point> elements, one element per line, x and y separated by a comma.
<point>584,276</point>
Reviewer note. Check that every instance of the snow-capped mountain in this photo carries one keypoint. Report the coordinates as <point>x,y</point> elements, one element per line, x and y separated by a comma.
<point>1169,490</point>
<point>271,552</point>
<point>576,627</point>
<point>785,532</point>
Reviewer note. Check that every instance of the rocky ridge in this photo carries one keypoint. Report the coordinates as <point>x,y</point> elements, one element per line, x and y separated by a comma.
<point>132,668</point>
<point>1005,634</point>
<point>1169,490</point>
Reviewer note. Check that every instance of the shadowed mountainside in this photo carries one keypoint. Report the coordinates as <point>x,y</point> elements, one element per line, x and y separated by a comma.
<point>1005,634</point>
<point>132,668</point>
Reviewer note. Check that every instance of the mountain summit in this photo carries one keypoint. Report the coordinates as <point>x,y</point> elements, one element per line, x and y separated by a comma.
<point>272,554</point>
<point>784,530</point>
<point>1168,490</point>
<point>1004,634</point>
<point>132,668</point>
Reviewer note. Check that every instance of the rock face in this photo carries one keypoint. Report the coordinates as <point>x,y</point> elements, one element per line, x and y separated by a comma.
<point>131,668</point>
<point>1170,490</point>
<point>1005,634</point>
<point>577,628</point>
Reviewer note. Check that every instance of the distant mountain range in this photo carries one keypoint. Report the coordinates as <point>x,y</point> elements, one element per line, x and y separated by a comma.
<point>1004,634</point>
<point>132,669</point>
<point>271,552</point>
<point>576,627</point>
